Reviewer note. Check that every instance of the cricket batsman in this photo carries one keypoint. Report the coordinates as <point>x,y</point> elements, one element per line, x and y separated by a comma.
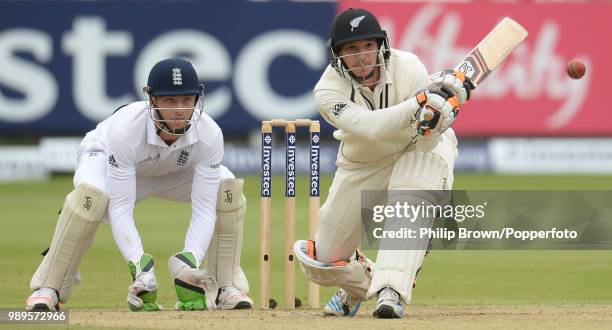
<point>165,146</point>
<point>393,123</point>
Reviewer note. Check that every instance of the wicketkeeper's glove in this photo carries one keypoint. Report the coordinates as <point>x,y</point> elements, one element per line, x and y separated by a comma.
<point>195,288</point>
<point>143,292</point>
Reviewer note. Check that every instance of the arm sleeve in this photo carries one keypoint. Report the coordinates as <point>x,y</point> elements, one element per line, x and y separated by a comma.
<point>360,121</point>
<point>122,196</point>
<point>421,77</point>
<point>206,178</point>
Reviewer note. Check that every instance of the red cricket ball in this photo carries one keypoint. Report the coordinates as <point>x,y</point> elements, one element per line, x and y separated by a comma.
<point>576,69</point>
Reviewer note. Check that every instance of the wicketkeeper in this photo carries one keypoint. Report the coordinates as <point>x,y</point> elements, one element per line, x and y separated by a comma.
<point>393,123</point>
<point>165,146</point>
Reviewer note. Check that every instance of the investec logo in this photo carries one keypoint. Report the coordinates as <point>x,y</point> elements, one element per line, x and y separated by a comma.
<point>266,165</point>
<point>314,165</point>
<point>290,166</point>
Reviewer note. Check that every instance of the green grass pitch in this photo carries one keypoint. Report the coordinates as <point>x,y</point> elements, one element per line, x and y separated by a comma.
<point>448,278</point>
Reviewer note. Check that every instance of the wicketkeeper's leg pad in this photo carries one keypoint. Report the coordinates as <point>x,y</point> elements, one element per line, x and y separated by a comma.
<point>77,224</point>
<point>226,244</point>
<point>353,275</point>
<point>70,280</point>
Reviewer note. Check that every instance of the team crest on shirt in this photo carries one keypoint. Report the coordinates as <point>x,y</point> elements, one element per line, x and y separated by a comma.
<point>338,108</point>
<point>183,158</point>
<point>177,77</point>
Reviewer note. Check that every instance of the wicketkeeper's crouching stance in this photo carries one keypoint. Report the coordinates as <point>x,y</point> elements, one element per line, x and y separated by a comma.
<point>375,96</point>
<point>166,147</point>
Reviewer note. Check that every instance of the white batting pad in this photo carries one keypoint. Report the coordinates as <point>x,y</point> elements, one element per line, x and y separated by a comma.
<point>353,276</point>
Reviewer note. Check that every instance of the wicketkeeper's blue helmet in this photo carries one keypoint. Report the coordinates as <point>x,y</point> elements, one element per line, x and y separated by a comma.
<point>173,76</point>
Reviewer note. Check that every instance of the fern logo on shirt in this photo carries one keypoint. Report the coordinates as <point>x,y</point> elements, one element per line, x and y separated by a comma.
<point>338,108</point>
<point>183,158</point>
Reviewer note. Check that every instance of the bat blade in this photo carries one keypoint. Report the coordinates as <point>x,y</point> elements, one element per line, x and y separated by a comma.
<point>492,50</point>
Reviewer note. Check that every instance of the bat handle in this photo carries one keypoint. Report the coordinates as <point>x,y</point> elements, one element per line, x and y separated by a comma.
<point>426,120</point>
<point>427,115</point>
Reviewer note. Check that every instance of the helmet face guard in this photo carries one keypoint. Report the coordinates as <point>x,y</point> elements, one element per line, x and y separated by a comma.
<point>356,24</point>
<point>165,118</point>
<point>337,62</point>
<point>174,77</point>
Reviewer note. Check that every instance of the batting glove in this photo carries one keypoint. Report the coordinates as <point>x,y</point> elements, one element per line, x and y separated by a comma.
<point>438,110</point>
<point>456,81</point>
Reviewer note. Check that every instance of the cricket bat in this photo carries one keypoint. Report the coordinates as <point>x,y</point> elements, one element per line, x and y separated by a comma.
<point>492,50</point>
<point>488,54</point>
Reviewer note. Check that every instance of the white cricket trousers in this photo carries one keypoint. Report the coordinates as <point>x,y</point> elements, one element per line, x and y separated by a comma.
<point>426,166</point>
